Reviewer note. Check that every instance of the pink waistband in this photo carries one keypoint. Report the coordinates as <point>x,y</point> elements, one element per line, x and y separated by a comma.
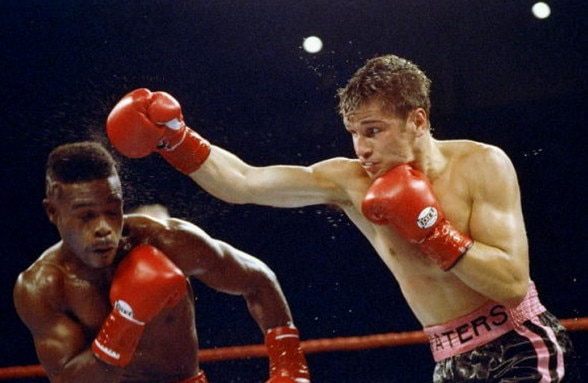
<point>482,326</point>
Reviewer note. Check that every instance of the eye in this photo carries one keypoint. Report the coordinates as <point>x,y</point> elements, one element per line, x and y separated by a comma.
<point>113,213</point>
<point>370,132</point>
<point>87,216</point>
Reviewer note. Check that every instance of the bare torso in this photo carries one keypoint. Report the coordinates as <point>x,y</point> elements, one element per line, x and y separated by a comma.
<point>476,186</point>
<point>78,296</point>
<point>434,296</point>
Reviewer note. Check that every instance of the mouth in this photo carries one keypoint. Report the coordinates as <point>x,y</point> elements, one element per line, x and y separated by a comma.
<point>103,249</point>
<point>370,167</point>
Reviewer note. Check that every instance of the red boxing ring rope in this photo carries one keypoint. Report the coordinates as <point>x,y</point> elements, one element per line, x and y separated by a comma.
<point>353,343</point>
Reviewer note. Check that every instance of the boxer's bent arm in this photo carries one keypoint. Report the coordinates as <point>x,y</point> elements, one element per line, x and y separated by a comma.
<point>223,268</point>
<point>66,358</point>
<point>497,264</point>
<point>60,342</point>
<point>229,270</point>
<point>258,285</point>
<point>230,179</point>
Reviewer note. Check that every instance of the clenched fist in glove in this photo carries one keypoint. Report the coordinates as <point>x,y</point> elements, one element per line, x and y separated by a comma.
<point>145,283</point>
<point>403,198</point>
<point>143,122</point>
<point>287,363</point>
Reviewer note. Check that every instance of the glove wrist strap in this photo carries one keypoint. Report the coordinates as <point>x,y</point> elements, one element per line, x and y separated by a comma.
<point>188,153</point>
<point>446,245</point>
<point>286,358</point>
<point>117,340</point>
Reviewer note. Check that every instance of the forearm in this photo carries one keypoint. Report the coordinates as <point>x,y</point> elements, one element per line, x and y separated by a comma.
<point>500,276</point>
<point>267,305</point>
<point>85,367</point>
<point>269,310</point>
<point>232,180</point>
<point>224,176</point>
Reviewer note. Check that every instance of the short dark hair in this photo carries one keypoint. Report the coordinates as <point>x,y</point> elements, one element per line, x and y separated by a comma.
<point>78,162</point>
<point>398,83</point>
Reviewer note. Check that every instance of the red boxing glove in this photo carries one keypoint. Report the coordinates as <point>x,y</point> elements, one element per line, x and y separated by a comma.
<point>143,122</point>
<point>144,283</point>
<point>287,363</point>
<point>403,198</point>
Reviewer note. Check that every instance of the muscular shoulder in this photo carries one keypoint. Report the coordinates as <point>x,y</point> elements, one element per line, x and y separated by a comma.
<point>487,168</point>
<point>141,222</point>
<point>182,241</point>
<point>139,228</point>
<point>44,276</point>
<point>476,156</point>
<point>39,289</point>
<point>346,177</point>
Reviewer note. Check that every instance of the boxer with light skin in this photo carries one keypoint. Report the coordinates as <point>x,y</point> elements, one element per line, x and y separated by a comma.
<point>112,301</point>
<point>445,216</point>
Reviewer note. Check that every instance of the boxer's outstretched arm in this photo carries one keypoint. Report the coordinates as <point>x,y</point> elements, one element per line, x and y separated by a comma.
<point>227,177</point>
<point>145,122</point>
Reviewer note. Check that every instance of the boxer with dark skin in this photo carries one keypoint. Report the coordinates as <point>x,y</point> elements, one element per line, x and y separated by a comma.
<point>445,216</point>
<point>112,301</point>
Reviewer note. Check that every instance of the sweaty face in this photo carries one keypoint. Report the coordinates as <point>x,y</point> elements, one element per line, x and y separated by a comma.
<point>89,218</point>
<point>381,140</point>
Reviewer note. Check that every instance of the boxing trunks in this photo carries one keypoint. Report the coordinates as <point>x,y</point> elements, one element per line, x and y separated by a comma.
<point>495,343</point>
<point>199,378</point>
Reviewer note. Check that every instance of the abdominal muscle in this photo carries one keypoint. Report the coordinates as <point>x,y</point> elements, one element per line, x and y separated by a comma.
<point>435,296</point>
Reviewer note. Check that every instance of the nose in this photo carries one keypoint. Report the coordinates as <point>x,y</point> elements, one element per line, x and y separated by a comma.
<point>103,228</point>
<point>363,149</point>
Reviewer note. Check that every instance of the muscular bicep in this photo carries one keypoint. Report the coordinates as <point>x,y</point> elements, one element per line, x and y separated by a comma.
<point>497,219</point>
<point>60,342</point>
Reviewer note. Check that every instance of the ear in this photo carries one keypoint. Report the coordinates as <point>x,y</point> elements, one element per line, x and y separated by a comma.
<point>421,121</point>
<point>50,210</point>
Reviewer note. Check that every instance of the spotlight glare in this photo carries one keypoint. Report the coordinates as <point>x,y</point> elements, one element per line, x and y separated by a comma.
<point>541,10</point>
<point>312,44</point>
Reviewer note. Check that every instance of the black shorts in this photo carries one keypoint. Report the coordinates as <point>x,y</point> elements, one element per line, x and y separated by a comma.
<point>527,354</point>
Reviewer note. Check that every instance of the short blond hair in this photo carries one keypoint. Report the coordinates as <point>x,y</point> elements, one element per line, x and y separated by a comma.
<point>398,83</point>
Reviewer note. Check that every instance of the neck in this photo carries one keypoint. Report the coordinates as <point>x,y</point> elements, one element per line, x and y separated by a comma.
<point>429,158</point>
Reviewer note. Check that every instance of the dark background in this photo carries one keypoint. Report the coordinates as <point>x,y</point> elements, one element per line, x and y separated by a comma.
<point>499,76</point>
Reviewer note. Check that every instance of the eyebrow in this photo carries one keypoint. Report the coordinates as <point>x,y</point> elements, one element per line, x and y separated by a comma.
<point>111,200</point>
<point>370,121</point>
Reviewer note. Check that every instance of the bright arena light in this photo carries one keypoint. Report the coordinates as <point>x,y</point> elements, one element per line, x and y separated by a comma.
<point>541,10</point>
<point>312,44</point>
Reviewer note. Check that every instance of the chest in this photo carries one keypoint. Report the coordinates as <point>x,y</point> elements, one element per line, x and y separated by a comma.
<point>87,301</point>
<point>455,198</point>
